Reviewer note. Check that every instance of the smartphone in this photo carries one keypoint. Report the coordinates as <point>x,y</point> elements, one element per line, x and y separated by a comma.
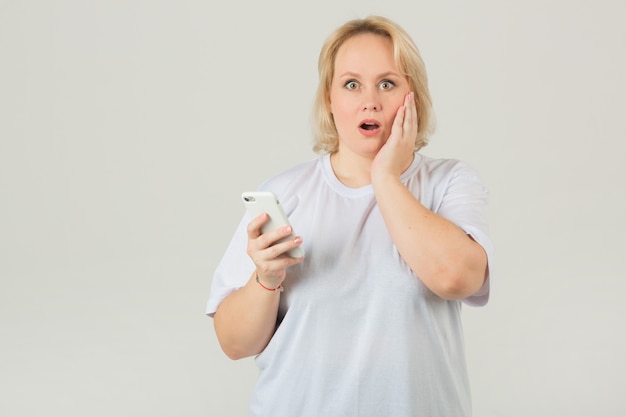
<point>258,202</point>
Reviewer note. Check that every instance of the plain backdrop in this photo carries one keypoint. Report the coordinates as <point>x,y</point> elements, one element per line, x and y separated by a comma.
<point>128,130</point>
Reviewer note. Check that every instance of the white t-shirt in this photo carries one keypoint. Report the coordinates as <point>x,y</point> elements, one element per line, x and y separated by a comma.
<point>358,333</point>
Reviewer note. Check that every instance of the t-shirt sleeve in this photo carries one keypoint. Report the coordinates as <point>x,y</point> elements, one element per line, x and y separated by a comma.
<point>465,204</point>
<point>233,270</point>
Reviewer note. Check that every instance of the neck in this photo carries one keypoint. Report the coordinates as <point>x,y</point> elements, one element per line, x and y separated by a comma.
<point>352,170</point>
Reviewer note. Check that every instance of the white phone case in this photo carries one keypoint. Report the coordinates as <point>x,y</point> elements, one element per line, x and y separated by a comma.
<point>258,202</point>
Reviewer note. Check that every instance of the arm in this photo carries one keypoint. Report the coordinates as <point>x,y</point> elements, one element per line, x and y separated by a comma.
<point>447,260</point>
<point>245,321</point>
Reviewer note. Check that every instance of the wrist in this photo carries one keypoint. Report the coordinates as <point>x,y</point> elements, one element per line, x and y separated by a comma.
<point>385,179</point>
<point>276,288</point>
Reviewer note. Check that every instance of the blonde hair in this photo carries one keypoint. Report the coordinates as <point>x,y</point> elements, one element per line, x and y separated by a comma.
<point>407,59</point>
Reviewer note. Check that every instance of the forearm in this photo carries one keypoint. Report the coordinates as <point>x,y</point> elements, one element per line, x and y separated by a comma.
<point>441,254</point>
<point>246,320</point>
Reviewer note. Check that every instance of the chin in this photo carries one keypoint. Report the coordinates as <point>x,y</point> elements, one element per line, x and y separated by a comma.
<point>366,147</point>
<point>371,151</point>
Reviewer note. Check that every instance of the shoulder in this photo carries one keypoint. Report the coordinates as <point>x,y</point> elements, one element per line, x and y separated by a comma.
<point>295,182</point>
<point>441,171</point>
<point>435,179</point>
<point>292,179</point>
<point>444,167</point>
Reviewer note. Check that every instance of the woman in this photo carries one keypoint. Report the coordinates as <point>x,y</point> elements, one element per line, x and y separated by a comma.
<point>368,322</point>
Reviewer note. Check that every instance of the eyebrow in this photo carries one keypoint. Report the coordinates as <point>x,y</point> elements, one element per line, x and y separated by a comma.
<point>383,75</point>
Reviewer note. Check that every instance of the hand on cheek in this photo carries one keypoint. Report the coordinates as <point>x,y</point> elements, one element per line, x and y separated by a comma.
<point>397,153</point>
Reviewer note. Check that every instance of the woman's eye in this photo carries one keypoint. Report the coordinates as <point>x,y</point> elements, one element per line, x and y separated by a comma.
<point>352,85</point>
<point>386,85</point>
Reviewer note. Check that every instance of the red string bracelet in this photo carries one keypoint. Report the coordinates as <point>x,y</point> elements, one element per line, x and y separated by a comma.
<point>279,288</point>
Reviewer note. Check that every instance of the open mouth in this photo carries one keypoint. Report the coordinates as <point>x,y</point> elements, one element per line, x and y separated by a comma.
<point>369,126</point>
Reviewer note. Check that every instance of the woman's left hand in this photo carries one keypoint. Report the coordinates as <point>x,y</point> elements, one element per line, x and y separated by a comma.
<point>397,153</point>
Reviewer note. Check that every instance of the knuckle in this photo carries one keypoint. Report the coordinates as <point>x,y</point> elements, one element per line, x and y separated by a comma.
<point>275,251</point>
<point>262,241</point>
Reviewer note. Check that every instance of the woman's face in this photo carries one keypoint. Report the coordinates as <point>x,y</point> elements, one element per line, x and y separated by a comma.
<point>365,94</point>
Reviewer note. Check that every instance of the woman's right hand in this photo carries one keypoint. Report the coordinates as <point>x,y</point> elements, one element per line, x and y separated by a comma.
<point>245,320</point>
<point>270,258</point>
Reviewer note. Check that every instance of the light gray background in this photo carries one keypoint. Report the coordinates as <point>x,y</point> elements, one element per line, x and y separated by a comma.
<point>128,129</point>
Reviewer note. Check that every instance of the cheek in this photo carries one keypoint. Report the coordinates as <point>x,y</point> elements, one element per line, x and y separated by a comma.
<point>340,110</point>
<point>393,107</point>
<point>342,101</point>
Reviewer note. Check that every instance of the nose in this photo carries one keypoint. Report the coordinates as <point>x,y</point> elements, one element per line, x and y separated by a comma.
<point>371,106</point>
<point>371,101</point>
